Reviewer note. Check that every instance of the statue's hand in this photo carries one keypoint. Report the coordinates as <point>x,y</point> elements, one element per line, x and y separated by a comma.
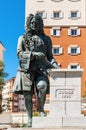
<point>55,65</point>
<point>38,54</point>
<point>25,54</point>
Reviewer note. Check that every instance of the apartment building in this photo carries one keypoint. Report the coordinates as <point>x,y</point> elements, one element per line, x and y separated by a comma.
<point>12,102</point>
<point>65,23</point>
<point>7,96</point>
<point>2,49</point>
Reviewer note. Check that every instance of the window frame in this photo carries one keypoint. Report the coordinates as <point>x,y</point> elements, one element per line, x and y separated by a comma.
<point>60,14</point>
<point>72,33</point>
<point>43,14</point>
<point>78,50</point>
<point>77,66</point>
<point>57,0</point>
<point>40,0</point>
<point>55,31</point>
<point>60,51</point>
<point>74,0</point>
<point>74,12</point>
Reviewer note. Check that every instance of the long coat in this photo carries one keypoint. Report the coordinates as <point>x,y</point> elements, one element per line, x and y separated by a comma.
<point>22,80</point>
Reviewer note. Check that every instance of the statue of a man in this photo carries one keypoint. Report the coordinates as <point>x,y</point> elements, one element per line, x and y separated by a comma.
<point>34,52</point>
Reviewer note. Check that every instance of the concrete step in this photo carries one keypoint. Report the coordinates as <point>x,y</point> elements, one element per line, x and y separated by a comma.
<point>47,128</point>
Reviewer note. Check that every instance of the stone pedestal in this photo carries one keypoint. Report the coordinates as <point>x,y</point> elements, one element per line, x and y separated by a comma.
<point>65,92</point>
<point>65,101</point>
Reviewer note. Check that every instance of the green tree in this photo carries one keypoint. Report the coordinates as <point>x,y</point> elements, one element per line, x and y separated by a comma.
<point>2,76</point>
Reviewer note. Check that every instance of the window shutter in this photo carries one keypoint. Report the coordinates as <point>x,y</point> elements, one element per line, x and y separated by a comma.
<point>61,50</point>
<point>78,14</point>
<point>78,67</point>
<point>39,0</point>
<point>78,50</point>
<point>73,0</point>
<point>52,14</point>
<point>57,32</point>
<point>69,15</point>
<point>68,66</point>
<point>69,31</point>
<point>61,14</point>
<point>44,14</point>
<point>51,31</point>
<point>78,31</point>
<point>69,50</point>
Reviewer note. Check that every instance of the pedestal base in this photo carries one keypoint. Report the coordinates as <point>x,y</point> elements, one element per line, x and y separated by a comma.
<point>59,122</point>
<point>74,121</point>
<point>47,122</point>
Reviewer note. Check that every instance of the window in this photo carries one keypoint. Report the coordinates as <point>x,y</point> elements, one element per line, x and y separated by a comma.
<point>15,103</point>
<point>74,0</point>
<point>74,14</point>
<point>15,109</point>
<point>43,14</point>
<point>15,98</point>
<point>74,31</point>
<point>40,14</point>
<point>40,0</point>
<point>57,50</point>
<point>73,66</point>
<point>74,50</point>
<point>56,14</point>
<point>55,31</point>
<point>57,0</point>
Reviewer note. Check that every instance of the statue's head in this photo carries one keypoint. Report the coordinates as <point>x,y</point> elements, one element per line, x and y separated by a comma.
<point>40,23</point>
<point>32,23</point>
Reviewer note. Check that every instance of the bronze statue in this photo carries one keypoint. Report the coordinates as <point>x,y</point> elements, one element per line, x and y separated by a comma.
<point>35,57</point>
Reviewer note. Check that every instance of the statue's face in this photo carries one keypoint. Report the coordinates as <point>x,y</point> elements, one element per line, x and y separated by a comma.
<point>34,24</point>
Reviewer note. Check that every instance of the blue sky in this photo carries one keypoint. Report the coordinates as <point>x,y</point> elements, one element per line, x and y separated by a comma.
<point>12,19</point>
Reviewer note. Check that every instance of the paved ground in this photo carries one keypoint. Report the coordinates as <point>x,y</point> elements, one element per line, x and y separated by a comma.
<point>5,124</point>
<point>8,127</point>
<point>5,121</point>
<point>5,118</point>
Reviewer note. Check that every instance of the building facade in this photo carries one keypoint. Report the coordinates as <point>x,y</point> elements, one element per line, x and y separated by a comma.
<point>7,96</point>
<point>65,23</point>
<point>2,49</point>
<point>12,102</point>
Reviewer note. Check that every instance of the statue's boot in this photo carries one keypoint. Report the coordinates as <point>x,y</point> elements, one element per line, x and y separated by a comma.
<point>29,123</point>
<point>28,104</point>
<point>42,98</point>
